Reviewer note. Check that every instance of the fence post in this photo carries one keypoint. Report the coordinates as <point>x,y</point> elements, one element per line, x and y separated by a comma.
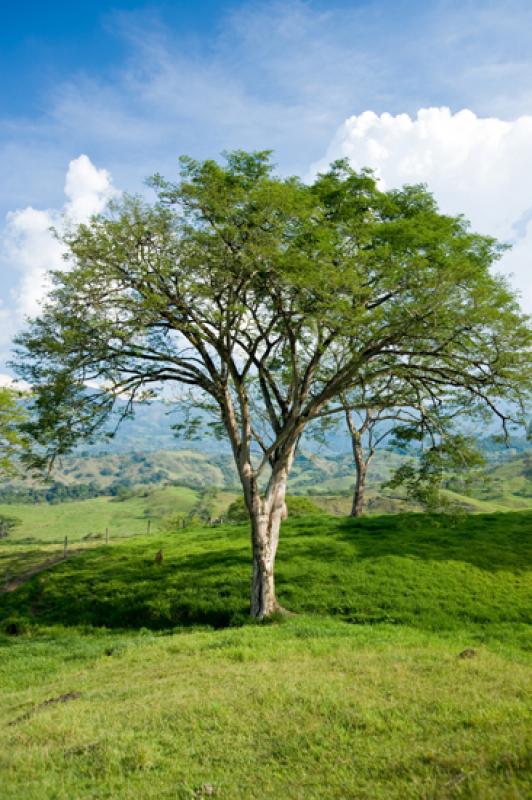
<point>107,536</point>
<point>149,525</point>
<point>65,547</point>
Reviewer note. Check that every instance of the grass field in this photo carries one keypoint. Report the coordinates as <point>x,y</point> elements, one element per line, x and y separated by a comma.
<point>123,678</point>
<point>44,523</point>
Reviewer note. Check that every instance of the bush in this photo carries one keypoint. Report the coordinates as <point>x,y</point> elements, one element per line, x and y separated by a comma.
<point>6,525</point>
<point>299,506</point>
<point>173,522</point>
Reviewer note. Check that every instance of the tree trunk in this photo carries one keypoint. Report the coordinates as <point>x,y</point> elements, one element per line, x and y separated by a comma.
<point>263,599</point>
<point>360,482</point>
<point>266,520</point>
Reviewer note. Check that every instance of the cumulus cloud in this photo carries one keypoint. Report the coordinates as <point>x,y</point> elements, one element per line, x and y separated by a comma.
<point>481,167</point>
<point>7,382</point>
<point>33,250</point>
<point>7,326</point>
<point>87,188</point>
<point>29,243</point>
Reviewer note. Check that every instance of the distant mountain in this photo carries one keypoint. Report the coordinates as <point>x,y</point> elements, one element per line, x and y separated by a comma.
<point>146,453</point>
<point>150,429</point>
<point>312,473</point>
<point>504,486</point>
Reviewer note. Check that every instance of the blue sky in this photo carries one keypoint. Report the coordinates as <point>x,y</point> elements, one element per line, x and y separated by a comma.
<point>132,85</point>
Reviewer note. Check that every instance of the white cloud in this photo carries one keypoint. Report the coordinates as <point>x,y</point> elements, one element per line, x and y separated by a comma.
<point>30,245</point>
<point>481,167</point>
<point>7,326</point>
<point>33,250</point>
<point>6,381</point>
<point>88,189</point>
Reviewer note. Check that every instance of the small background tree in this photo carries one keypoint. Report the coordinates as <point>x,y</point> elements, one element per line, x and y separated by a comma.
<point>400,416</point>
<point>454,455</point>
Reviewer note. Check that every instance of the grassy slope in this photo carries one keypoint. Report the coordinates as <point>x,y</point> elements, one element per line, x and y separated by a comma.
<point>311,709</point>
<point>361,695</point>
<point>400,569</point>
<point>504,501</point>
<point>50,523</point>
<point>45,523</point>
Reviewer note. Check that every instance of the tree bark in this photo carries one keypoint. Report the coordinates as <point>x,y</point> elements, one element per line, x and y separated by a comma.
<point>266,514</point>
<point>263,599</point>
<point>361,468</point>
<point>265,529</point>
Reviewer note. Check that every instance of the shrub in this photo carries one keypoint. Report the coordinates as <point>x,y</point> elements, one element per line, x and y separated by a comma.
<point>6,525</point>
<point>173,522</point>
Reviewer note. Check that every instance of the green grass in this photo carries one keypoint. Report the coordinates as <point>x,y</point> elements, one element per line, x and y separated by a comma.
<point>504,501</point>
<point>45,523</point>
<point>402,569</point>
<point>15,560</point>
<point>362,694</point>
<point>50,523</point>
<point>309,709</point>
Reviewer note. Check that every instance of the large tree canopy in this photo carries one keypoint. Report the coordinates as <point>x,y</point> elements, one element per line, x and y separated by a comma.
<point>268,298</point>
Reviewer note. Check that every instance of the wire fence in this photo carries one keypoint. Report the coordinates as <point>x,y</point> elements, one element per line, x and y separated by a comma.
<point>21,559</point>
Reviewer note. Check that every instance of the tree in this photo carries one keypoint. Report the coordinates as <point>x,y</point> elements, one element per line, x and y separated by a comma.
<point>368,429</point>
<point>452,455</point>
<point>396,413</point>
<point>12,441</point>
<point>268,298</point>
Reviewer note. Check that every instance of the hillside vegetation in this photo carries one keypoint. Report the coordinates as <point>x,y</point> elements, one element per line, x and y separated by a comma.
<point>43,523</point>
<point>329,471</point>
<point>505,485</point>
<point>405,672</point>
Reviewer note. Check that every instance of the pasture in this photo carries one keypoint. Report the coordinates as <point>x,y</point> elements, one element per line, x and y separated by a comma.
<point>404,671</point>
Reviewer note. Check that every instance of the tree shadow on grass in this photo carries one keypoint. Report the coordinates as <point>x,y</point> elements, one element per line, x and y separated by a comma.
<point>406,568</point>
<point>434,573</point>
<point>105,589</point>
<point>491,542</point>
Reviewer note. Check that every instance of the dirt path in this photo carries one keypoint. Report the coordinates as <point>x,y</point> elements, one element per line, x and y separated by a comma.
<point>19,580</point>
